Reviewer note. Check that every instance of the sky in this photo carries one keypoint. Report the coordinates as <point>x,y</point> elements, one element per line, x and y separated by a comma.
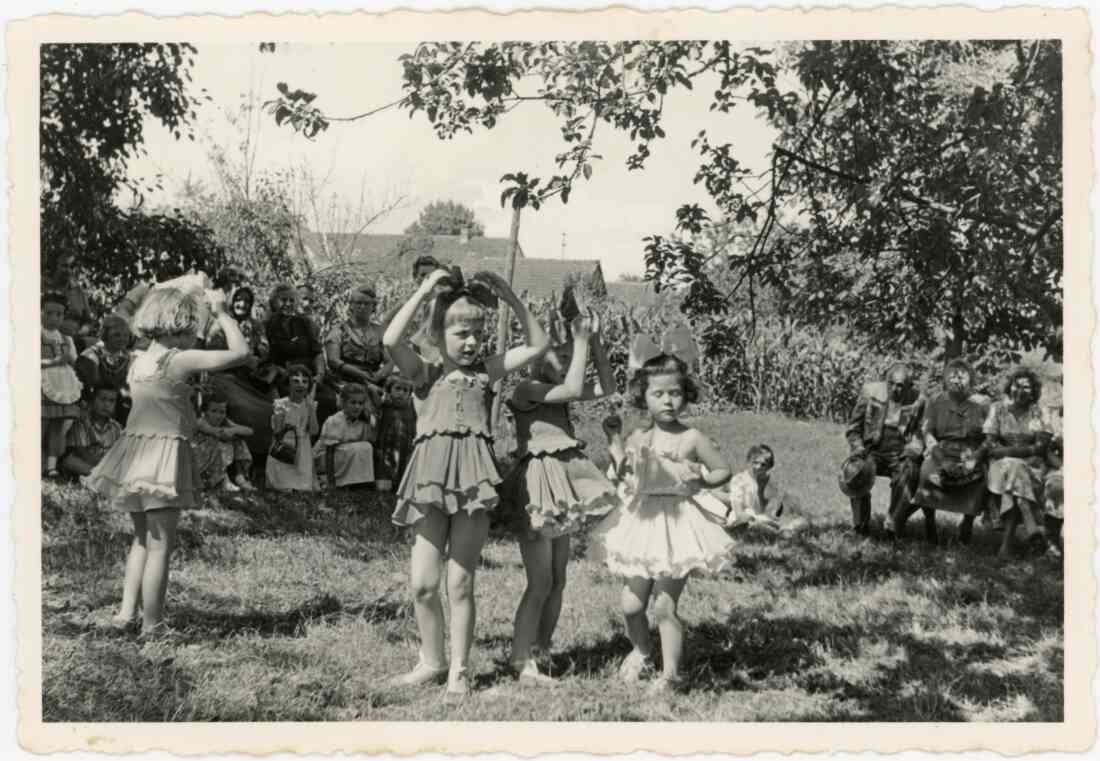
<point>606,217</point>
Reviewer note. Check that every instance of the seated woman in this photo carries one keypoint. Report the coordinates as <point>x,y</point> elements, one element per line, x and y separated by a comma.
<point>108,362</point>
<point>345,449</point>
<point>952,476</point>
<point>247,388</point>
<point>1017,435</point>
<point>292,337</point>
<point>354,352</point>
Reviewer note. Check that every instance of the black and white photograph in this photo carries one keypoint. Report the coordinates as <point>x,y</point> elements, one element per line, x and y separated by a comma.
<point>692,376</point>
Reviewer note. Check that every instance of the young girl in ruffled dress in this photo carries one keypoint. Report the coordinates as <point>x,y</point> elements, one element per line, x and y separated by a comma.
<point>553,487</point>
<point>151,471</point>
<point>668,526</point>
<point>451,481</point>
<point>61,388</point>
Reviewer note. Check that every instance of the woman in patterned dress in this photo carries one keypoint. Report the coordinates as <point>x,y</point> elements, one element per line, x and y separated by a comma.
<point>1017,436</point>
<point>354,352</point>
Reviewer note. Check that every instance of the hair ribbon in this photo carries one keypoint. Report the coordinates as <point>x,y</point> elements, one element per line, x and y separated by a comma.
<point>677,342</point>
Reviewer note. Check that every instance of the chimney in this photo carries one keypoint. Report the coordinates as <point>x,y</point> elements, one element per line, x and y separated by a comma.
<point>464,236</point>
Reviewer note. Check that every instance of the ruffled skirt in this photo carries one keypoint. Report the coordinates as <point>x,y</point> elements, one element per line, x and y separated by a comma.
<point>450,473</point>
<point>552,493</point>
<point>141,473</point>
<point>663,536</point>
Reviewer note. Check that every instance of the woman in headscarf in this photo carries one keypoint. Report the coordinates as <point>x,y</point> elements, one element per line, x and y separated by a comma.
<point>952,477</point>
<point>354,352</point>
<point>1017,436</point>
<point>247,388</point>
<point>108,362</point>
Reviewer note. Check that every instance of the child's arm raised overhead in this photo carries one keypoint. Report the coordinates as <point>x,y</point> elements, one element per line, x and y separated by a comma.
<point>196,360</point>
<point>572,388</point>
<point>537,343</point>
<point>603,364</point>
<point>393,339</point>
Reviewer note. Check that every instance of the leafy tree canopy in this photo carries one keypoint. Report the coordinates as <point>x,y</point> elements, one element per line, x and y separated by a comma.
<point>446,218</point>
<point>913,193</point>
<point>94,98</point>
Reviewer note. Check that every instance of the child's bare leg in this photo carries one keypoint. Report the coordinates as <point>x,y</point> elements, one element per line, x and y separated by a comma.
<point>159,543</point>
<point>1011,513</point>
<point>55,442</point>
<point>135,568</point>
<point>667,592</point>
<point>426,571</point>
<point>551,609</point>
<point>635,598</point>
<point>468,534</point>
<point>537,563</point>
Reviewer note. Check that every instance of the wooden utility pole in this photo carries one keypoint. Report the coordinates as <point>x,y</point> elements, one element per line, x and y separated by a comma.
<point>503,316</point>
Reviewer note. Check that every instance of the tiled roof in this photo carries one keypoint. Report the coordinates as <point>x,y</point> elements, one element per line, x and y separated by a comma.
<point>381,254</point>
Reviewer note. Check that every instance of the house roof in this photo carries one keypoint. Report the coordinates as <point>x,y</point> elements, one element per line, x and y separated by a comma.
<point>382,252</point>
<point>378,254</point>
<point>634,294</point>
<point>540,278</point>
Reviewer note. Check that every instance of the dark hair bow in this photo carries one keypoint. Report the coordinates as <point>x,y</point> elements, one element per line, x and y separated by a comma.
<point>458,285</point>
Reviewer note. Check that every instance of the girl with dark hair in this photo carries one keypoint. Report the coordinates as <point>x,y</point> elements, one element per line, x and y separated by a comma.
<point>669,525</point>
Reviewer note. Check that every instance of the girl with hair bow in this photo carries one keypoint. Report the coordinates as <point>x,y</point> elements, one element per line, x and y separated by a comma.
<point>450,483</point>
<point>668,525</point>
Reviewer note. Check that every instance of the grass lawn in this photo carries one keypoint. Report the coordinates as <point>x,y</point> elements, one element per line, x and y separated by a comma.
<point>293,609</point>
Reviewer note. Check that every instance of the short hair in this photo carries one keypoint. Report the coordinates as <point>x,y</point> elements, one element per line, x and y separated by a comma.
<point>366,289</point>
<point>101,387</point>
<point>397,379</point>
<point>54,297</point>
<point>450,307</point>
<point>664,364</point>
<point>110,322</point>
<point>297,368</point>
<point>1030,375</point>
<point>166,312</point>
<point>422,260</point>
<point>958,363</point>
<point>350,389</point>
<point>903,366</point>
<point>279,291</point>
<point>215,397</point>
<point>756,449</point>
<point>246,293</point>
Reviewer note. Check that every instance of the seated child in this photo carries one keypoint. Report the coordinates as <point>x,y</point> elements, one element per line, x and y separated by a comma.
<point>756,499</point>
<point>396,431</point>
<point>293,421</point>
<point>343,451</point>
<point>220,448</point>
<point>93,433</point>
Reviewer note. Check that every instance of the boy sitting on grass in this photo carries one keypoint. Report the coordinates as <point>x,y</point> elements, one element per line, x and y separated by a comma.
<point>755,498</point>
<point>219,445</point>
<point>93,433</point>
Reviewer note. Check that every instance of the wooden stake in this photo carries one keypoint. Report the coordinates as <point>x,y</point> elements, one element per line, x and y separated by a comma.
<point>504,318</point>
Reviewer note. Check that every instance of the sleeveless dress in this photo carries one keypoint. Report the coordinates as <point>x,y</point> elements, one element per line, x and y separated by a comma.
<point>452,467</point>
<point>664,528</point>
<point>553,487</point>
<point>152,466</point>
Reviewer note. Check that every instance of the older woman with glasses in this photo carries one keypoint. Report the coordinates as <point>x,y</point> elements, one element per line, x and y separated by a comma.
<point>354,352</point>
<point>952,476</point>
<point>1018,434</point>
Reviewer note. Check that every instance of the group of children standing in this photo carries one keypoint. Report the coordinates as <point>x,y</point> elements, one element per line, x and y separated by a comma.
<point>658,520</point>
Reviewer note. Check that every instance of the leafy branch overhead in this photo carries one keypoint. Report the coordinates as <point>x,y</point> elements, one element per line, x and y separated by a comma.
<point>913,190</point>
